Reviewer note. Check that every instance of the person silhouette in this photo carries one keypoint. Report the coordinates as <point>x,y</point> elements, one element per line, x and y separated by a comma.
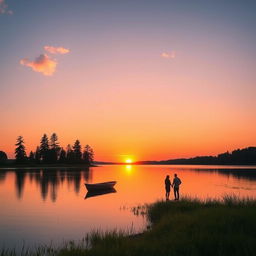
<point>176,184</point>
<point>167,187</point>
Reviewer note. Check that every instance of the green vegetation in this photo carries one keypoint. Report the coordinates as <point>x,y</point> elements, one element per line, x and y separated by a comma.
<point>186,227</point>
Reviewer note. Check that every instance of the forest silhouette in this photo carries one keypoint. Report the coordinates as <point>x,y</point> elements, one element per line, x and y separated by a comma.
<point>246,156</point>
<point>50,152</point>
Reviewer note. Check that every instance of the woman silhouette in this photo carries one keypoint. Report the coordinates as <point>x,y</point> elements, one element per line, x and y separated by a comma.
<point>167,187</point>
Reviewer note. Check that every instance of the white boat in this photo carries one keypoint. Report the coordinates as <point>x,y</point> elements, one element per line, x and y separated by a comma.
<point>100,186</point>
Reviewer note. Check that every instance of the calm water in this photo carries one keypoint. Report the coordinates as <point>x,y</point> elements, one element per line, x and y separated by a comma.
<point>39,206</point>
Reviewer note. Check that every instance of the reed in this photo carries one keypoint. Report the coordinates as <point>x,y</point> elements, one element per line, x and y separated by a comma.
<point>186,227</point>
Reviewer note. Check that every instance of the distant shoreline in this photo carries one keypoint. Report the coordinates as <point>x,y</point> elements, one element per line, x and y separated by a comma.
<point>138,163</point>
<point>97,164</point>
<point>48,166</point>
<point>244,156</point>
<point>238,157</point>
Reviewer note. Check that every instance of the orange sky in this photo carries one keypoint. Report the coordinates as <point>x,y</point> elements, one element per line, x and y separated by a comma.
<point>153,81</point>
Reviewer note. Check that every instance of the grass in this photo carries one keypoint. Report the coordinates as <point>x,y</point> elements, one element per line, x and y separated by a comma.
<point>188,227</point>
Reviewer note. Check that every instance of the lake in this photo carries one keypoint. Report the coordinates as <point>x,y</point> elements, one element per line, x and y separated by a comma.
<point>43,205</point>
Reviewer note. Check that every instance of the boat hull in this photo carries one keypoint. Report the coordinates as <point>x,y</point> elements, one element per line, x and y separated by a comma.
<point>100,186</point>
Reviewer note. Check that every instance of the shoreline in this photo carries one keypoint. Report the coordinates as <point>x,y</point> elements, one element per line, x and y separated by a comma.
<point>186,227</point>
<point>8,166</point>
<point>71,166</point>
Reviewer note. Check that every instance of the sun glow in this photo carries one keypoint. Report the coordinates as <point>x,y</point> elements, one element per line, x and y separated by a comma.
<point>128,168</point>
<point>128,161</point>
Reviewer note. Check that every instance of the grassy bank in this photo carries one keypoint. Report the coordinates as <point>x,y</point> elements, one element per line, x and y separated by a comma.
<point>187,227</point>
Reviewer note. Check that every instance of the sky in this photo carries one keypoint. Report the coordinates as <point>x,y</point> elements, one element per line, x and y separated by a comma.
<point>144,79</point>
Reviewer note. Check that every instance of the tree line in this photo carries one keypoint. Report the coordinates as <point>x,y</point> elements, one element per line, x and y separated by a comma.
<point>238,157</point>
<point>50,152</point>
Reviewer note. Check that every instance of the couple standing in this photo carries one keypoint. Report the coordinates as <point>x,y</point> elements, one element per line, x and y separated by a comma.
<point>175,184</point>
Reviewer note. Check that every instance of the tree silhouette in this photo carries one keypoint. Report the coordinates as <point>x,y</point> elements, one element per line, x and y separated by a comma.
<point>44,148</point>
<point>3,157</point>
<point>88,155</point>
<point>77,151</point>
<point>54,144</point>
<point>62,158</point>
<point>37,155</point>
<point>20,153</point>
<point>50,152</point>
<point>31,157</point>
<point>54,148</point>
<point>70,154</point>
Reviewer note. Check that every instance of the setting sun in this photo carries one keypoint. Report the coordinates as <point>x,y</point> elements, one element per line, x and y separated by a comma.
<point>128,161</point>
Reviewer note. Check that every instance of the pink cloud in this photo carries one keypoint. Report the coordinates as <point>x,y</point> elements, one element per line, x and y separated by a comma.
<point>56,50</point>
<point>168,55</point>
<point>43,64</point>
<point>4,8</point>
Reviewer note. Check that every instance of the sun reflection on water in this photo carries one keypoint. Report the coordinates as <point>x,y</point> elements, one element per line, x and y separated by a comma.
<point>128,168</point>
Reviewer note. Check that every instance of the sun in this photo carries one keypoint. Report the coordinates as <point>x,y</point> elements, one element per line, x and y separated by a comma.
<point>128,161</point>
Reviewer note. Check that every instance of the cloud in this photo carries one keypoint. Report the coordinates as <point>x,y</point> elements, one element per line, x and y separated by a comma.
<point>43,64</point>
<point>56,50</point>
<point>168,55</point>
<point>4,8</point>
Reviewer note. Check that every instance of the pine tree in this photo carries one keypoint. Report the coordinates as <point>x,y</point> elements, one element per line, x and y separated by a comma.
<point>3,157</point>
<point>88,155</point>
<point>62,158</point>
<point>31,157</point>
<point>70,154</point>
<point>54,144</point>
<point>54,148</point>
<point>20,153</point>
<point>44,148</point>
<point>77,151</point>
<point>37,155</point>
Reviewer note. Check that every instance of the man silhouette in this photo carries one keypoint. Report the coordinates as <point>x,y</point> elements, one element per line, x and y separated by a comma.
<point>176,183</point>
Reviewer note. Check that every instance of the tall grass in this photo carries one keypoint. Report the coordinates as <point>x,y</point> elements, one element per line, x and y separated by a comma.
<point>188,227</point>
